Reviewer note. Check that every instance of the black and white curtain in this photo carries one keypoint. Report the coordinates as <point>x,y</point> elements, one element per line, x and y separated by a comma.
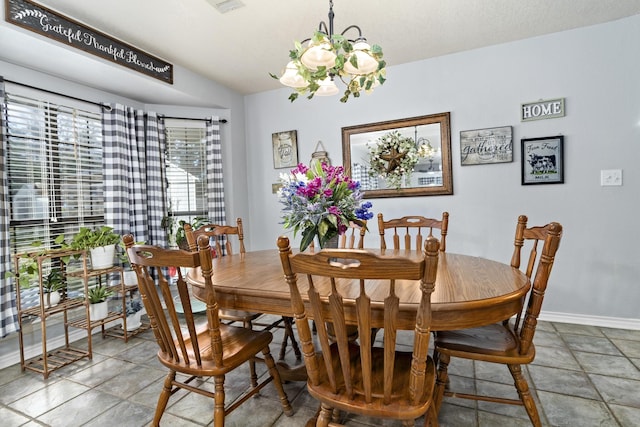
<point>215,183</point>
<point>8,312</point>
<point>133,146</point>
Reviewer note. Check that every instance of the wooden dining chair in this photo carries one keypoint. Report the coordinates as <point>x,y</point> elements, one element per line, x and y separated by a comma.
<point>191,346</point>
<point>510,342</point>
<point>219,235</point>
<point>352,375</point>
<point>411,228</point>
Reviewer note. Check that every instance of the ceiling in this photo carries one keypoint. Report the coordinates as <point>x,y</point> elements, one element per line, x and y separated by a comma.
<point>241,47</point>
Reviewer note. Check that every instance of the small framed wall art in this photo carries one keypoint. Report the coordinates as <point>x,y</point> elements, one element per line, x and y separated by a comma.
<point>483,146</point>
<point>543,160</point>
<point>285,149</point>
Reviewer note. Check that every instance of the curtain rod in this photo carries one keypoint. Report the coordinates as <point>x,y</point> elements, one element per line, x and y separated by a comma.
<point>190,118</point>
<point>58,93</point>
<point>95,103</point>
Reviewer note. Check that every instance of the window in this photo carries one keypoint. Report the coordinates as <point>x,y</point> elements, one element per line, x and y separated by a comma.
<point>186,171</point>
<point>55,170</point>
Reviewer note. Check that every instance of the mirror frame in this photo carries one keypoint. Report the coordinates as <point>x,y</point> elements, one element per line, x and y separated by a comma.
<point>445,138</point>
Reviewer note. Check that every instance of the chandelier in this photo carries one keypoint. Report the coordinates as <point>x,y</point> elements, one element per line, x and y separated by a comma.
<point>317,62</point>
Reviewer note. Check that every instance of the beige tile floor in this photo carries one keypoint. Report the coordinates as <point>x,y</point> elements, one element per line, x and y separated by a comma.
<point>582,376</point>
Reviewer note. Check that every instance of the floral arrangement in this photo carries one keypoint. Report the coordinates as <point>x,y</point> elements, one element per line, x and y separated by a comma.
<point>321,201</point>
<point>393,158</point>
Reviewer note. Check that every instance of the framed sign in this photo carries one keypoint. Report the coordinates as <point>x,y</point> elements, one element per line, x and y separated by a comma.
<point>48,23</point>
<point>542,160</point>
<point>483,146</point>
<point>285,149</point>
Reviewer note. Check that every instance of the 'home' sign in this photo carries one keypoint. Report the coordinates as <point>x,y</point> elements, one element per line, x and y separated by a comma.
<point>547,109</point>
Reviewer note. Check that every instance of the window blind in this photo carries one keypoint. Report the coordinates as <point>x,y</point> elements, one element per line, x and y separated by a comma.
<point>55,170</point>
<point>186,172</point>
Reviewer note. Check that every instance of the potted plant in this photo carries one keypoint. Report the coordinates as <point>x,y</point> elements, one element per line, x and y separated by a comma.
<point>52,283</point>
<point>135,310</point>
<point>101,243</point>
<point>98,304</point>
<point>179,238</point>
<point>130,278</point>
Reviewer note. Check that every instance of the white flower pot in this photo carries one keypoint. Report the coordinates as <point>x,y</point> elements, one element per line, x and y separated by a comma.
<point>103,257</point>
<point>99,311</point>
<point>130,278</point>
<point>133,321</point>
<point>51,299</point>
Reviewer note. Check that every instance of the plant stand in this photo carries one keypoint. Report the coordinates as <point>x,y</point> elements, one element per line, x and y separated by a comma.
<point>48,361</point>
<point>73,308</point>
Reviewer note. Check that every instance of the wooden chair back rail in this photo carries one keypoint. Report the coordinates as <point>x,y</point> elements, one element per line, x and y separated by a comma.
<point>402,230</point>
<point>218,234</point>
<point>168,330</point>
<point>353,370</point>
<point>550,236</point>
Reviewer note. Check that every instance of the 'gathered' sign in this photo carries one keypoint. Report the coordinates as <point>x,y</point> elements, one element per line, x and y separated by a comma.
<point>51,24</point>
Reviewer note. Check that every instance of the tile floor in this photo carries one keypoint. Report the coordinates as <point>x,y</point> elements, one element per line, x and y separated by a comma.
<point>582,376</point>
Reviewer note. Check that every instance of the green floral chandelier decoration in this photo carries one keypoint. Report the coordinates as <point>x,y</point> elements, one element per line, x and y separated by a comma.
<point>393,158</point>
<point>317,62</point>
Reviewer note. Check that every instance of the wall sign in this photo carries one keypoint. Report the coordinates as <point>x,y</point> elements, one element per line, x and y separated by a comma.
<point>482,146</point>
<point>543,160</point>
<point>547,109</point>
<point>48,23</point>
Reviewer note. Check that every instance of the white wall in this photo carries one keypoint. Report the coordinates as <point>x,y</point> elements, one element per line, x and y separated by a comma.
<point>595,68</point>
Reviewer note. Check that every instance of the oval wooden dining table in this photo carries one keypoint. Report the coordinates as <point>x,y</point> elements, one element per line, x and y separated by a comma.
<point>470,291</point>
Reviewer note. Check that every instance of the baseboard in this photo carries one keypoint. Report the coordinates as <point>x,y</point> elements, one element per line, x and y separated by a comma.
<point>579,319</point>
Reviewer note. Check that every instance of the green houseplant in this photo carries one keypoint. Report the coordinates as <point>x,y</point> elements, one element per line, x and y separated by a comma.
<point>52,284</point>
<point>98,304</point>
<point>101,242</point>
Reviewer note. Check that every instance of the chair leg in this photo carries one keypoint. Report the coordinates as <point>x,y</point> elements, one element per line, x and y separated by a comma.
<point>325,416</point>
<point>218,407</point>
<point>431,417</point>
<point>441,380</point>
<point>277,381</point>
<point>525,395</point>
<point>252,362</point>
<point>164,397</point>
<point>289,335</point>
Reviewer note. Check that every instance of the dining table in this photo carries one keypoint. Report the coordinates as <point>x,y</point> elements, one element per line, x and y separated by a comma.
<point>470,291</point>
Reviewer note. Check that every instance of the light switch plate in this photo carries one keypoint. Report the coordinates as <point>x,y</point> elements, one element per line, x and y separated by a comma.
<point>610,177</point>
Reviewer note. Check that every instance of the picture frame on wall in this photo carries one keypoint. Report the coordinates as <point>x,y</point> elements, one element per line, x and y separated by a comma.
<point>285,149</point>
<point>543,160</point>
<point>484,146</point>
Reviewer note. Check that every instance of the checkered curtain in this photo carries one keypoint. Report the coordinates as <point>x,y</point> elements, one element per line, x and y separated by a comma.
<point>8,312</point>
<point>133,146</point>
<point>215,184</point>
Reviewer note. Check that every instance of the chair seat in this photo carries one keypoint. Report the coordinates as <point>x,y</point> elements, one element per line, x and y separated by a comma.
<point>401,408</point>
<point>494,343</point>
<point>238,315</point>
<point>239,344</point>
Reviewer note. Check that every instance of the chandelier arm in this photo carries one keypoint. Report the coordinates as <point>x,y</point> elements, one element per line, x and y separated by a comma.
<point>350,27</point>
<point>322,28</point>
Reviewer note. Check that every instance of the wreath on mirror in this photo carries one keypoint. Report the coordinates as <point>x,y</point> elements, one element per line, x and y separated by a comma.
<point>393,158</point>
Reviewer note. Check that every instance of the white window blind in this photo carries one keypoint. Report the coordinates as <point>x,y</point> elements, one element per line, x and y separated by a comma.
<point>186,172</point>
<point>55,170</point>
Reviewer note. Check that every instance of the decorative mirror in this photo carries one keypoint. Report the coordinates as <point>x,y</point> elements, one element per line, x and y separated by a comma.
<point>399,158</point>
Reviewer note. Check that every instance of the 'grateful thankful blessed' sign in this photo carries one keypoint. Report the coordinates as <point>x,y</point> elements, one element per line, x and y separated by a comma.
<point>43,21</point>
